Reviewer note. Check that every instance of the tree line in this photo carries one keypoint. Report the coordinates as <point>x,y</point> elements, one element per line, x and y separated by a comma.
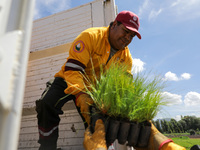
<point>186,124</point>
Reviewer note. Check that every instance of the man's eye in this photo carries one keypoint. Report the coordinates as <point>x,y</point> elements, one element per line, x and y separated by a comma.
<point>132,35</point>
<point>126,31</point>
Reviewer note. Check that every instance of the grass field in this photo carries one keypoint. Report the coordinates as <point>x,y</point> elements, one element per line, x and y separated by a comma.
<point>186,141</point>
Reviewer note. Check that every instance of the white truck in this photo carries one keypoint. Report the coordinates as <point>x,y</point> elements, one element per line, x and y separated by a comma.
<point>31,52</point>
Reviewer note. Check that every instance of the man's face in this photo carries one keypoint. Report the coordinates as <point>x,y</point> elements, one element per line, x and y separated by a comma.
<point>120,36</point>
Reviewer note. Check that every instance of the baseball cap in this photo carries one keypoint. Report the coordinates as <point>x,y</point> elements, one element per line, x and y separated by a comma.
<point>130,21</point>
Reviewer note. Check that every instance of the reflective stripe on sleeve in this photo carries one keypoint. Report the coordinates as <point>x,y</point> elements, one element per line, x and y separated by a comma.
<point>74,65</point>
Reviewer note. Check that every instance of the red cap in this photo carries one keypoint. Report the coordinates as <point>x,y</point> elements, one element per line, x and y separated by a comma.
<point>130,21</point>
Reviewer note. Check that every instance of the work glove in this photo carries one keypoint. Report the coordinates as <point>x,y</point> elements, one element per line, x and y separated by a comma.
<point>95,141</point>
<point>158,141</point>
<point>84,101</point>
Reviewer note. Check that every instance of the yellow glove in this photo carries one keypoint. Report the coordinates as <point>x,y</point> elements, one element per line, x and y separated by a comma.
<point>95,141</point>
<point>84,101</point>
<point>158,141</point>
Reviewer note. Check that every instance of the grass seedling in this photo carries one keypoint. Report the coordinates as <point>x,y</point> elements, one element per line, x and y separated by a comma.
<point>119,95</point>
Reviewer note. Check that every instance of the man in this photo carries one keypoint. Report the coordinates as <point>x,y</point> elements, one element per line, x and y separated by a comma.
<point>92,49</point>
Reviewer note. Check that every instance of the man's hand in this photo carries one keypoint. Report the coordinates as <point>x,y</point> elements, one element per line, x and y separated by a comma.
<point>84,101</point>
<point>158,141</point>
<point>95,141</point>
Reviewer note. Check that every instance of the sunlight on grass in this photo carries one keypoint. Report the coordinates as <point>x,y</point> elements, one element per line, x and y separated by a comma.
<point>186,141</point>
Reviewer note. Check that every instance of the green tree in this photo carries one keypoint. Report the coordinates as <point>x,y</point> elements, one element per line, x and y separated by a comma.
<point>183,125</point>
<point>197,131</point>
<point>188,122</point>
<point>174,126</point>
<point>192,122</point>
<point>158,126</point>
<point>163,126</point>
<point>196,123</point>
<point>167,127</point>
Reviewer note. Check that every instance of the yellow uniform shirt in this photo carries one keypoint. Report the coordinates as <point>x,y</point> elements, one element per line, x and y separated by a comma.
<point>89,51</point>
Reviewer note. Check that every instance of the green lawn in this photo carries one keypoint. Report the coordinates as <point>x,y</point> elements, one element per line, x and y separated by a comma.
<point>186,141</point>
<point>177,134</point>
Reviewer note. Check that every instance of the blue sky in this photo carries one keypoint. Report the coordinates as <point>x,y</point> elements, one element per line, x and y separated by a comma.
<point>170,46</point>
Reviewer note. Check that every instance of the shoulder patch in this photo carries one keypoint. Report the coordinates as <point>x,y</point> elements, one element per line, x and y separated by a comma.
<point>79,46</point>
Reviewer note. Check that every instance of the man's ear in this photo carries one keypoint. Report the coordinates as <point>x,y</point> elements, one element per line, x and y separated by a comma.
<point>114,24</point>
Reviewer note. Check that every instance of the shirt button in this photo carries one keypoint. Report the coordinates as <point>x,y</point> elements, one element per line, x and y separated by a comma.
<point>107,51</point>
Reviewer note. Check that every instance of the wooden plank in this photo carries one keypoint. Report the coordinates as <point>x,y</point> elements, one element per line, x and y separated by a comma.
<point>60,28</point>
<point>70,142</point>
<point>29,132</point>
<point>70,13</point>
<point>57,61</point>
<point>98,14</point>
<point>39,72</point>
<point>72,24</point>
<point>46,57</point>
<point>28,145</point>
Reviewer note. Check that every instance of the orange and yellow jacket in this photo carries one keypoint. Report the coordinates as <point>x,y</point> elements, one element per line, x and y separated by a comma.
<point>89,51</point>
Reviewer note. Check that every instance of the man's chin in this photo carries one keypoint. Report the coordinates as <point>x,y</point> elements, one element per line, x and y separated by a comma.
<point>122,47</point>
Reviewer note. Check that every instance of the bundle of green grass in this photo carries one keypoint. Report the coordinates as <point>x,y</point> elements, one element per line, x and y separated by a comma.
<point>121,95</point>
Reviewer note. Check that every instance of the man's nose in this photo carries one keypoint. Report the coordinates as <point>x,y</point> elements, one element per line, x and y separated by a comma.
<point>128,37</point>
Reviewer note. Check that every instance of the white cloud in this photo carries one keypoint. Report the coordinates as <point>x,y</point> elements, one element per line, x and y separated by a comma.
<point>138,66</point>
<point>192,99</point>
<point>36,13</point>
<point>185,76</point>
<point>153,14</point>
<point>175,3</point>
<point>178,10</point>
<point>169,76</point>
<point>177,117</point>
<point>144,8</point>
<point>171,99</point>
<point>189,106</point>
<point>185,4</point>
<point>185,10</point>
<point>47,7</point>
